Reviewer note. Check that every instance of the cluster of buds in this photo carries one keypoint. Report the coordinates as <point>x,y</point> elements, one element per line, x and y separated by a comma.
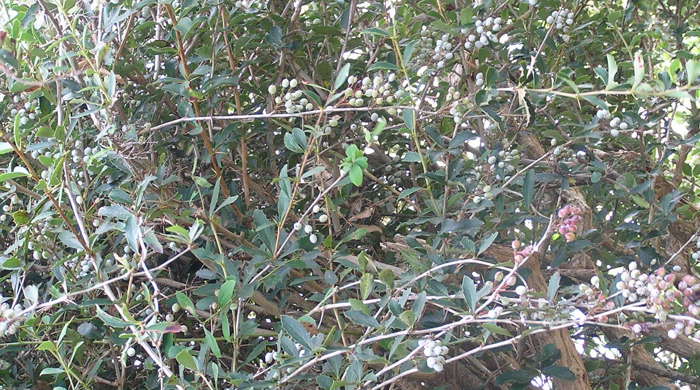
<point>443,51</point>
<point>503,164</point>
<point>322,217</point>
<point>434,352</point>
<point>617,124</point>
<point>271,358</point>
<point>27,111</point>
<point>561,20</point>
<point>520,252</point>
<point>570,216</point>
<point>377,90</point>
<point>9,318</point>
<point>658,290</point>
<point>681,327</point>
<point>292,98</point>
<point>484,33</point>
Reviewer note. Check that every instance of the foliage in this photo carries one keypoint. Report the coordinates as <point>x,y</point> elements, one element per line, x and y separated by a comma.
<point>343,194</point>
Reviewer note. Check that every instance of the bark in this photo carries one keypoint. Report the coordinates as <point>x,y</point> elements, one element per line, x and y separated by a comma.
<point>640,356</point>
<point>561,338</point>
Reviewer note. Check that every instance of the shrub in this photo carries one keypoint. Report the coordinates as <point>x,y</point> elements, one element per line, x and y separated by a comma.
<point>344,194</point>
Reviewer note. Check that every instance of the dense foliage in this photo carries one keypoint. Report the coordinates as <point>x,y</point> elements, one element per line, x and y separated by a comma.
<point>343,195</point>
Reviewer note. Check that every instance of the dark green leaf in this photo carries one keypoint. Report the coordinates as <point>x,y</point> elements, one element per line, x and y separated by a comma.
<point>469,290</point>
<point>296,331</point>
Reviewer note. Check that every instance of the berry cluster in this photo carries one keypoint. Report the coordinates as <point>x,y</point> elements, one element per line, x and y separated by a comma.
<point>443,51</point>
<point>377,89</point>
<point>9,320</point>
<point>570,216</point>
<point>308,229</point>
<point>617,124</point>
<point>561,20</point>
<point>292,98</point>
<point>137,358</point>
<point>83,266</point>
<point>662,294</point>
<point>7,207</point>
<point>486,30</point>
<point>503,163</point>
<point>434,353</point>
<point>271,358</point>
<point>27,112</point>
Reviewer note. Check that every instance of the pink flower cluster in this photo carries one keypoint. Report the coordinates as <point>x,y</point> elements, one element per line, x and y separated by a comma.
<point>570,216</point>
<point>521,252</point>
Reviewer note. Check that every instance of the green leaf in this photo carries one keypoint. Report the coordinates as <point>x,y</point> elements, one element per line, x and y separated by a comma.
<point>387,277</point>
<point>226,292</point>
<point>366,285</point>
<point>47,345</point>
<point>361,318</point>
<point>13,175</point>
<point>641,202</point>
<point>612,71</point>
<point>180,231</point>
<point>186,360</point>
<point>295,141</point>
<point>185,302</point>
<point>150,239</point>
<point>382,65</point>
<point>285,196</point>
<point>114,211</point>
<point>133,232</point>
<point>341,77</point>
<point>296,331</point>
<point>112,321</point>
<point>559,372</point>
<point>70,240</point>
<point>17,132</point>
<point>201,182</point>
<point>408,51</point>
<point>516,376</point>
<point>412,157</point>
<point>409,117</point>
<point>5,147</point>
<point>553,286</point>
<point>213,345</point>
<point>184,25</point>
<point>376,31</point>
<point>215,197</point>
<point>495,329</point>
<point>51,371</point>
<point>408,192</point>
<point>356,175</point>
<point>469,290</point>
<point>486,243</point>
<point>408,317</point>
<point>528,188</point>
<point>21,217</point>
<point>638,69</point>
<point>358,305</point>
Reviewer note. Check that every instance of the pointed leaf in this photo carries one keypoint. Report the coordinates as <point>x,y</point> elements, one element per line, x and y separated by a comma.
<point>296,331</point>
<point>341,77</point>
<point>186,360</point>
<point>469,290</point>
<point>553,286</point>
